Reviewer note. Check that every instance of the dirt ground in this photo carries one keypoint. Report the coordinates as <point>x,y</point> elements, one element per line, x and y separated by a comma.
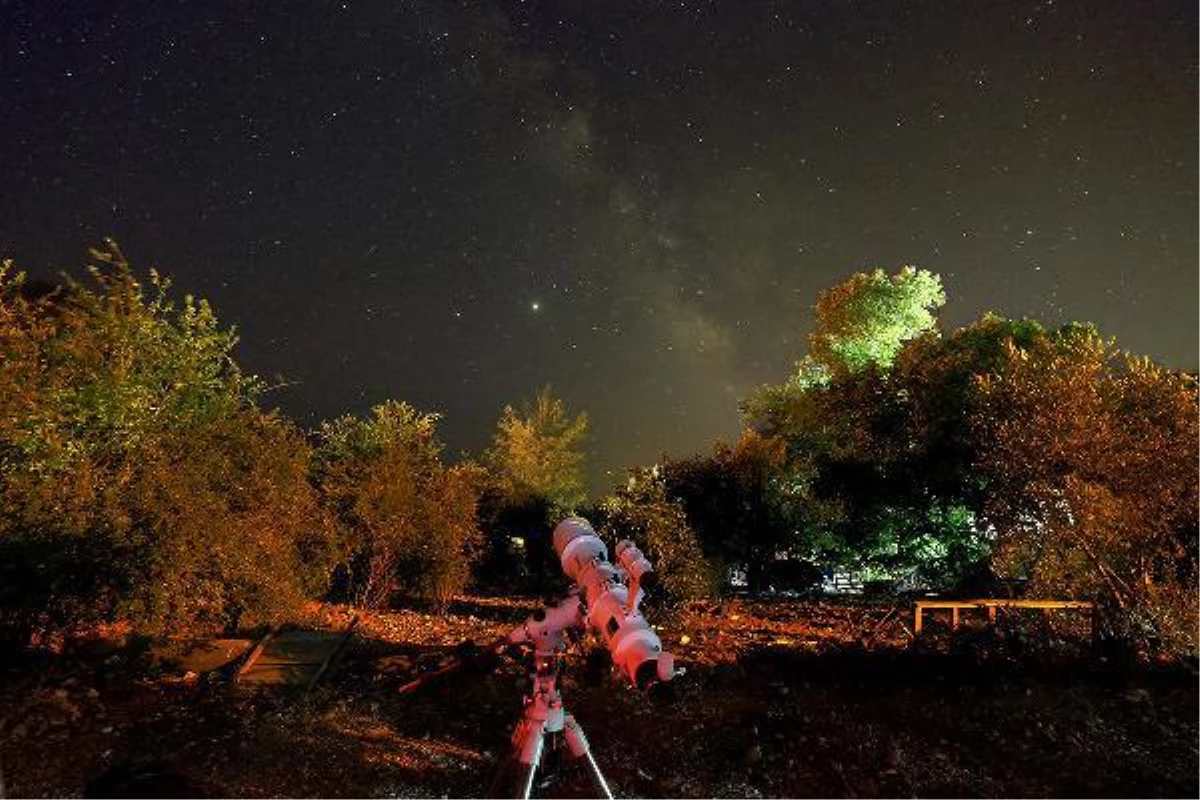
<point>779,699</point>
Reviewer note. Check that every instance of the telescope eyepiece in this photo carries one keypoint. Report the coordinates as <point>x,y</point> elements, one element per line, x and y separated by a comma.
<point>654,671</point>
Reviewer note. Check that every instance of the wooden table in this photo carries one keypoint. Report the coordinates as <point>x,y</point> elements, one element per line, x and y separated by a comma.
<point>991,604</point>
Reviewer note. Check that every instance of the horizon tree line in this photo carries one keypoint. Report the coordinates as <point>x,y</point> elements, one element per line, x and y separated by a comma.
<point>142,478</point>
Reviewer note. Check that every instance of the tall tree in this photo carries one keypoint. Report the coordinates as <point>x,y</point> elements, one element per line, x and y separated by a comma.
<point>538,453</point>
<point>864,321</point>
<point>838,424</point>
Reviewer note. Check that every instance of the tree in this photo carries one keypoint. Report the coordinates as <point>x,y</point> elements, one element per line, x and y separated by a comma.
<point>861,324</point>
<point>405,520</point>
<point>745,512</point>
<point>864,321</point>
<point>877,457</point>
<point>537,453</point>
<point>1089,453</point>
<point>536,463</point>
<point>838,426</point>
<point>138,475</point>
<point>642,512</point>
<point>938,379</point>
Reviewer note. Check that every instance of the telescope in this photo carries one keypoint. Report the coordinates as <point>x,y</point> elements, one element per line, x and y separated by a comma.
<point>612,597</point>
<point>605,599</point>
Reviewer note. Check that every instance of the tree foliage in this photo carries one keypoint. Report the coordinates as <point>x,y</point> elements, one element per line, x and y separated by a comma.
<point>538,453</point>
<point>1053,455</point>
<point>864,321</point>
<point>1090,457</point>
<point>642,511</point>
<point>862,324</point>
<point>138,475</point>
<point>741,505</point>
<point>846,474</point>
<point>405,520</point>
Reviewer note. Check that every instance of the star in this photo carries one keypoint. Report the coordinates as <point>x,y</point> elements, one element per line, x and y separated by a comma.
<point>651,183</point>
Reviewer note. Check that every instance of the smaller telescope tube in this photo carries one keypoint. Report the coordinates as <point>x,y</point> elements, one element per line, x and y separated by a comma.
<point>638,568</point>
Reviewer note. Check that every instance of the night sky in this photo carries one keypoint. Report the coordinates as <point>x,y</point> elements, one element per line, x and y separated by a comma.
<point>637,202</point>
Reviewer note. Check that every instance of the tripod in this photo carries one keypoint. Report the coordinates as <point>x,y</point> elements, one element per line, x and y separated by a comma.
<point>545,726</point>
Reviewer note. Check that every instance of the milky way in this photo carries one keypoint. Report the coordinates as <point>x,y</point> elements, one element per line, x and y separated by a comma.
<point>456,203</point>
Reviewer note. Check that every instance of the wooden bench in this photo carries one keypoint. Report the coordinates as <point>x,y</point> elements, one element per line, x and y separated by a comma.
<point>992,604</point>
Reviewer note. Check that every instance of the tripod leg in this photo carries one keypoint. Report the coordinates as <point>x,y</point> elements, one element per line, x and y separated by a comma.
<point>578,744</point>
<point>516,774</point>
<point>530,770</point>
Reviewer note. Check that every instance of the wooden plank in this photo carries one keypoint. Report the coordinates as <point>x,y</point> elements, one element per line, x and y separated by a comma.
<point>1043,604</point>
<point>255,654</point>
<point>985,603</point>
<point>277,675</point>
<point>325,664</point>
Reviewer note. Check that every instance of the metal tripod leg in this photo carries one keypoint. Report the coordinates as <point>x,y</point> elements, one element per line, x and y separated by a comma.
<point>578,744</point>
<point>534,740</point>
<point>517,773</point>
<point>532,768</point>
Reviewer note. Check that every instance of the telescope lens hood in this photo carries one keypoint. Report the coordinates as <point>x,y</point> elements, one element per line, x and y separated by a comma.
<point>647,674</point>
<point>654,671</point>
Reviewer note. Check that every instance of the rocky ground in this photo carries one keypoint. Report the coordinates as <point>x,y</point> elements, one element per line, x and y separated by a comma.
<point>779,699</point>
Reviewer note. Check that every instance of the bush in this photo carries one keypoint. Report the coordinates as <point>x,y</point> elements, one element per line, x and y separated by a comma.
<point>657,524</point>
<point>405,521</point>
<point>138,476</point>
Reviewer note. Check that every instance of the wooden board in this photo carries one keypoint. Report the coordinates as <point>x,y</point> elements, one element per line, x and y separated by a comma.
<point>293,657</point>
<point>278,675</point>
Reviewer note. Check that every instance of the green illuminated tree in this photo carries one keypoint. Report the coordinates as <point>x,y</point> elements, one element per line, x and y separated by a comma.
<point>861,323</point>
<point>864,321</point>
<point>877,457</point>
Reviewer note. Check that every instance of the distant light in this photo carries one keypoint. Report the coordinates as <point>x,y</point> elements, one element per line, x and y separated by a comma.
<point>535,306</point>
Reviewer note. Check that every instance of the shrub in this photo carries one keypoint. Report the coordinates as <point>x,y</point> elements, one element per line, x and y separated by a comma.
<point>138,476</point>
<point>643,512</point>
<point>405,521</point>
